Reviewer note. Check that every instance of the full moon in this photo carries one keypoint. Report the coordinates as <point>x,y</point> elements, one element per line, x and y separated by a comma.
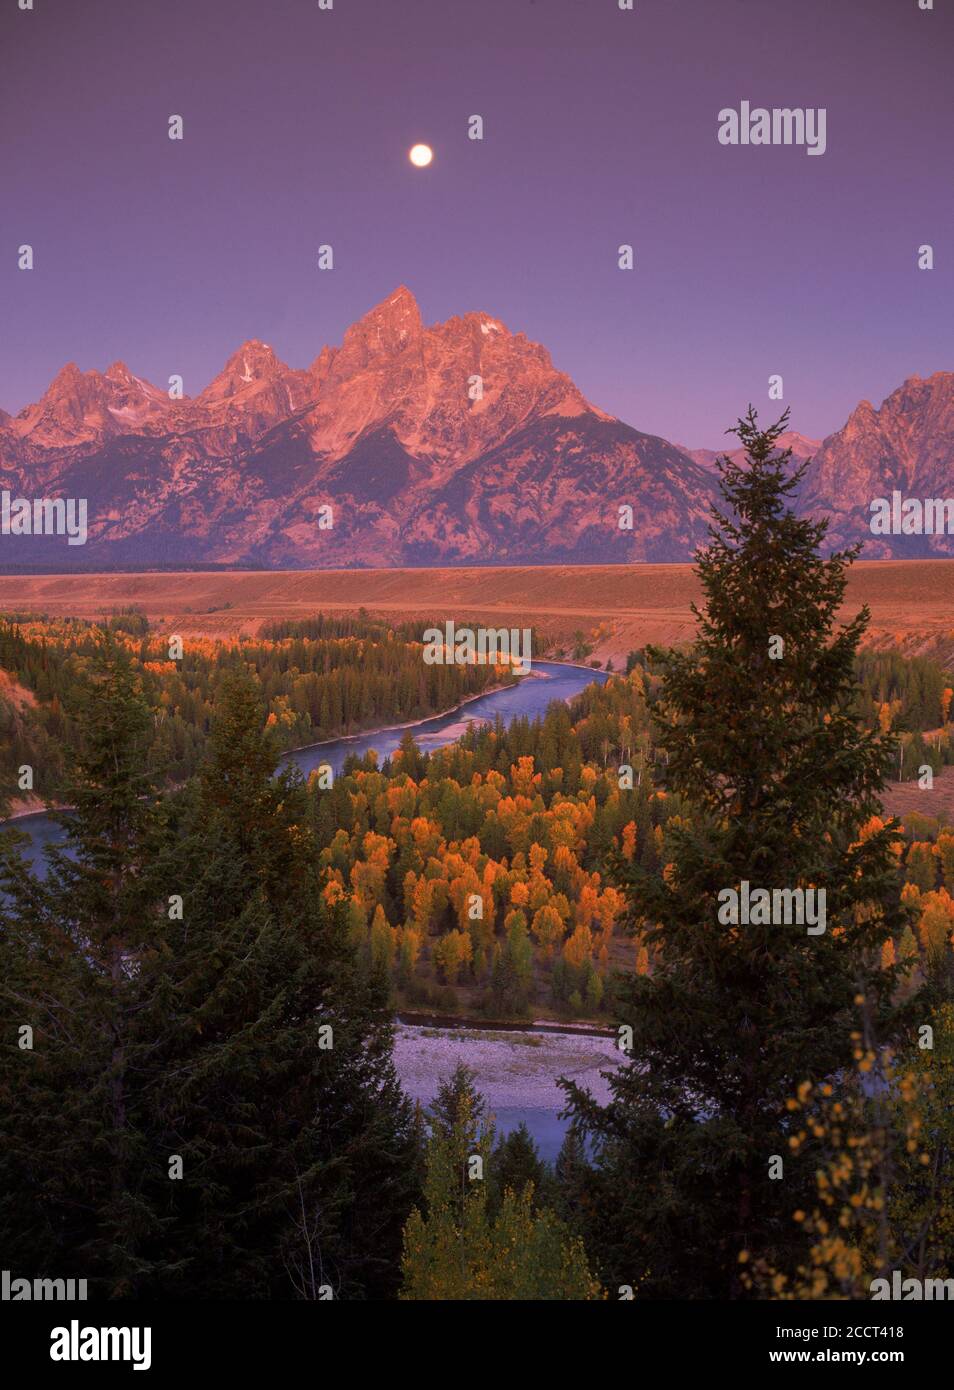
<point>421,155</point>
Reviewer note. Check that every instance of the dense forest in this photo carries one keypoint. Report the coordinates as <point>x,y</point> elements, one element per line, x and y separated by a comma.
<point>197,1090</point>
<point>476,876</point>
<point>482,876</point>
<point>319,679</point>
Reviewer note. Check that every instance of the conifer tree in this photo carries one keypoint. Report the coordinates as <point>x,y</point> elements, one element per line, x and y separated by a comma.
<point>780,781</point>
<point>73,950</point>
<point>209,1107</point>
<point>517,1164</point>
<point>277,1083</point>
<point>462,1246</point>
<point>571,1177</point>
<point>456,1094</point>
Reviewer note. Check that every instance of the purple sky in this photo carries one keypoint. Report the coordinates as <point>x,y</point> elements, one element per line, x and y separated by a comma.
<point>600,129</point>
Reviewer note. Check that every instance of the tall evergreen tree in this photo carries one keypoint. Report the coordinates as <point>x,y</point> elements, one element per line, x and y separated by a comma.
<point>757,718</point>
<point>571,1177</point>
<point>73,948</point>
<point>276,1084</point>
<point>209,1107</point>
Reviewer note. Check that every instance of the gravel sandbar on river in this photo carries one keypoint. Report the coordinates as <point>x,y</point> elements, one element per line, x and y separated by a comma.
<point>516,1072</point>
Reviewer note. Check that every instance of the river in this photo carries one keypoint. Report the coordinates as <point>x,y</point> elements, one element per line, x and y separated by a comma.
<point>516,1073</point>
<point>548,680</point>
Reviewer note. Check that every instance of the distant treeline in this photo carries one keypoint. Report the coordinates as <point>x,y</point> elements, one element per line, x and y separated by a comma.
<point>916,690</point>
<point>909,697</point>
<point>320,678</point>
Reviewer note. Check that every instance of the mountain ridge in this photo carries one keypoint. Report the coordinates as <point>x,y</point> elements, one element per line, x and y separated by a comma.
<point>454,443</point>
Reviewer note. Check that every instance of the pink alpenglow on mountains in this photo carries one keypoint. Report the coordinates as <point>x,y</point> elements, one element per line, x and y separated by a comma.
<point>458,443</point>
<point>906,445</point>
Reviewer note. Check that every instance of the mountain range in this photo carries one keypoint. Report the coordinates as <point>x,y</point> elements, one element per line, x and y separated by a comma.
<point>458,443</point>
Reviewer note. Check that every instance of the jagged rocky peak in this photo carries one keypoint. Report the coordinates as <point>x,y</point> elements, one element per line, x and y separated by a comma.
<point>80,406</point>
<point>387,330</point>
<point>249,366</point>
<point>906,443</point>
